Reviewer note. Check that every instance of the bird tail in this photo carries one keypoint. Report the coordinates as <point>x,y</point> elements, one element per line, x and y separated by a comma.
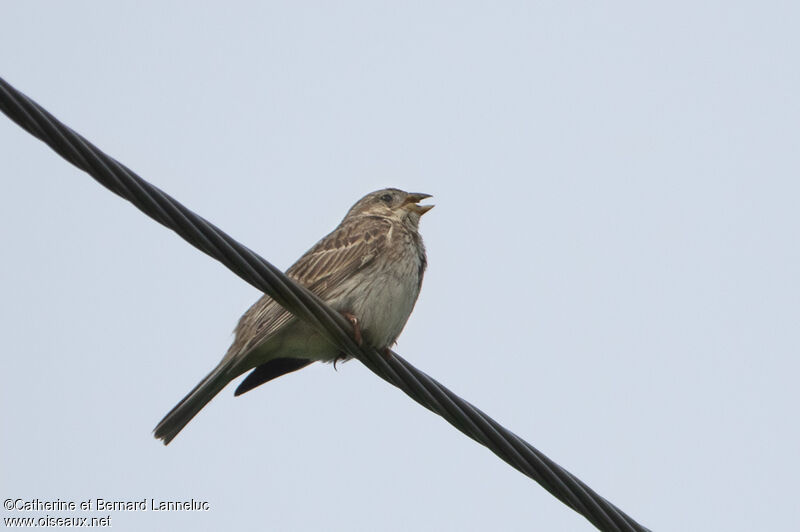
<point>189,406</point>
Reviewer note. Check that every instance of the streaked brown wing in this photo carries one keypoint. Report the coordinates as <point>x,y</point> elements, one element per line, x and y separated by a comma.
<point>349,248</point>
<point>352,246</point>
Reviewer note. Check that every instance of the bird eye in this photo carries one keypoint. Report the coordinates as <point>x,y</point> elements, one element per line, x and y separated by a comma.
<point>386,198</point>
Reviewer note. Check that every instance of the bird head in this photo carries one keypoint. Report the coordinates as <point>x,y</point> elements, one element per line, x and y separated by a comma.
<point>392,203</point>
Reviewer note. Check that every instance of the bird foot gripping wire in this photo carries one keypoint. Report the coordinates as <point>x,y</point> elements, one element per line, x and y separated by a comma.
<point>356,328</point>
<point>359,339</point>
<point>349,316</point>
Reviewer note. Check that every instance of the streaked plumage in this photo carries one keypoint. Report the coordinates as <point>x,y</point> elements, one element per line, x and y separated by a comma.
<point>370,266</point>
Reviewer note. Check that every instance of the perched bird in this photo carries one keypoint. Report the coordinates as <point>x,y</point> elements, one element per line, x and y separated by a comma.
<point>369,268</point>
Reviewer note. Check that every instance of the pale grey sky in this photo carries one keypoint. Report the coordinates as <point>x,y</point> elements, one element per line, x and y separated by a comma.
<point>613,257</point>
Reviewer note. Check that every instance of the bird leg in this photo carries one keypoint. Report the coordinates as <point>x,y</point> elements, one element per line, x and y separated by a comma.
<point>349,316</point>
<point>356,329</point>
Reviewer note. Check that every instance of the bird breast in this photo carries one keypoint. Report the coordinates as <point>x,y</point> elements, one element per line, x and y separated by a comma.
<point>383,294</point>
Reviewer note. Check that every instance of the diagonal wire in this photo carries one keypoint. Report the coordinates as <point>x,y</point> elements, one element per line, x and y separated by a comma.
<point>264,276</point>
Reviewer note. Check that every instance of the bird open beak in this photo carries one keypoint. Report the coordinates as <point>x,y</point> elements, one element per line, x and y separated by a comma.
<point>412,203</point>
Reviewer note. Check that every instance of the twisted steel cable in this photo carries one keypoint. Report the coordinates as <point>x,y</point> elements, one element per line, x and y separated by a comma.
<point>265,277</point>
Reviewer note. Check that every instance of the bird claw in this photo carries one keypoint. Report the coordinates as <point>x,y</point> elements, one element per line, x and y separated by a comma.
<point>341,357</point>
<point>356,329</point>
